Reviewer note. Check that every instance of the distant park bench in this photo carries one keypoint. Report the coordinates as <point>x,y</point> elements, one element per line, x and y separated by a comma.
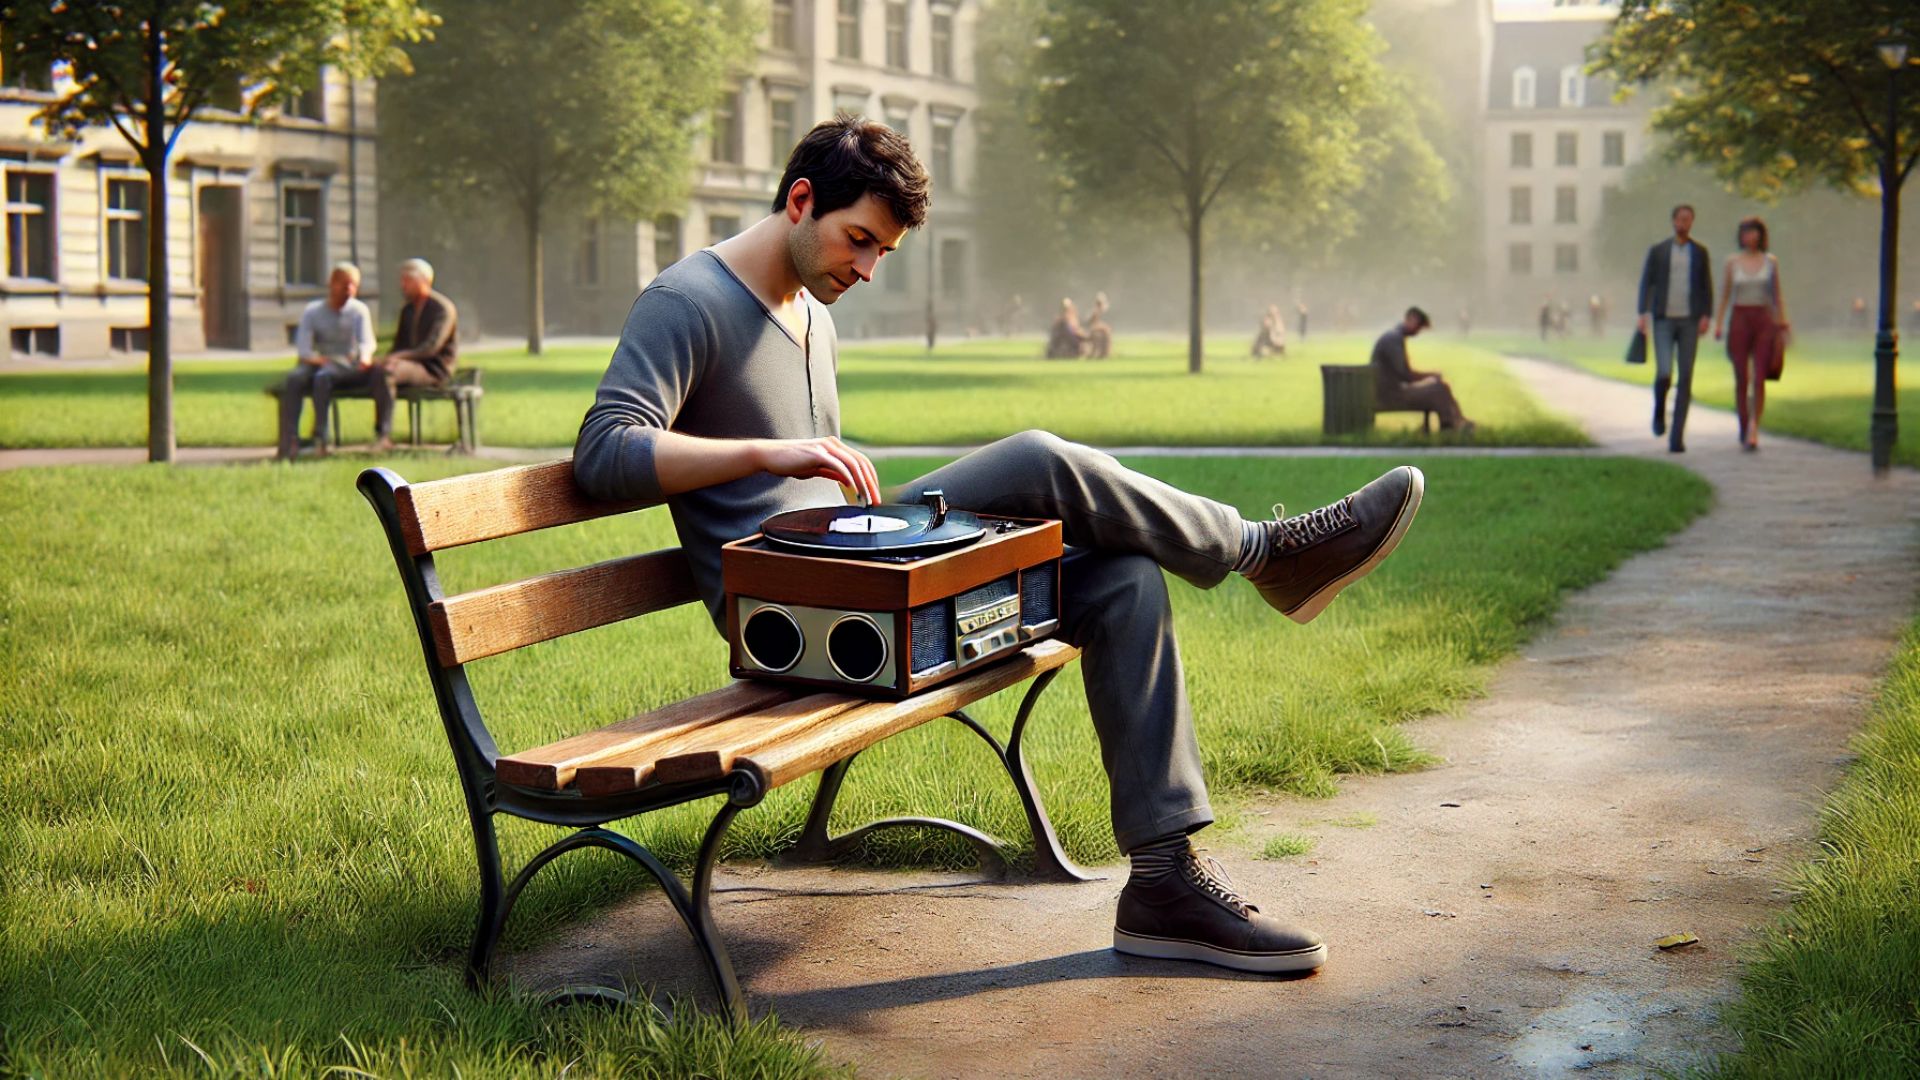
<point>463,390</point>
<point>1348,405</point>
<point>741,741</point>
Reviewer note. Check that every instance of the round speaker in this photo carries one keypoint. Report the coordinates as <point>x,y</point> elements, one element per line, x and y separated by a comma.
<point>772,639</point>
<point>856,648</point>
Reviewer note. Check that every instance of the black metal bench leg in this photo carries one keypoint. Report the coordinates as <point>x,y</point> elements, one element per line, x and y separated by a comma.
<point>493,904</point>
<point>1050,860</point>
<point>816,844</point>
<point>705,934</point>
<point>333,431</point>
<point>413,422</point>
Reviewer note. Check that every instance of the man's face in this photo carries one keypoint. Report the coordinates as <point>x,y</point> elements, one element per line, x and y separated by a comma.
<point>1683,222</point>
<point>834,252</point>
<point>1410,324</point>
<point>413,286</point>
<point>341,287</point>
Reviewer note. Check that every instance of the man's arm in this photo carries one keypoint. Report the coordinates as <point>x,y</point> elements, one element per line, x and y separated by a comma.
<point>1644,300</point>
<point>303,339</point>
<point>434,324</point>
<point>363,343</point>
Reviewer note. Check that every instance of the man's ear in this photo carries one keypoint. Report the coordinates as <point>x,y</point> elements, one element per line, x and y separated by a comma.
<point>799,200</point>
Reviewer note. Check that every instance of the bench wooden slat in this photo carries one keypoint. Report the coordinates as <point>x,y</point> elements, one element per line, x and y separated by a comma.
<point>502,618</point>
<point>696,749</point>
<point>553,766</point>
<point>467,509</point>
<point>807,751</point>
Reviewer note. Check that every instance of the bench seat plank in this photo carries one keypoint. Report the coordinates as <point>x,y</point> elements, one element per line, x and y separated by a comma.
<point>501,618</point>
<point>552,767</point>
<point>694,750</point>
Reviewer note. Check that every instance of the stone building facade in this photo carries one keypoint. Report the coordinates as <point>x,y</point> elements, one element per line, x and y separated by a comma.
<point>256,213</point>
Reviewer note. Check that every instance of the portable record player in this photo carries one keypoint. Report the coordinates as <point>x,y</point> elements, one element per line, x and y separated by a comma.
<point>889,599</point>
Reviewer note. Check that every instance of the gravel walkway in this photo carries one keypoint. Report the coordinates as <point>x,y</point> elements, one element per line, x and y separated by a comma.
<point>1651,764</point>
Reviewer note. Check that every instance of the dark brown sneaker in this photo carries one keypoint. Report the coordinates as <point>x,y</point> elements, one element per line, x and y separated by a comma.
<point>1316,554</point>
<point>1176,907</point>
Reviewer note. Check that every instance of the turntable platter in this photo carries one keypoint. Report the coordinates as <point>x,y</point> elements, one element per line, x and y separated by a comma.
<point>887,529</point>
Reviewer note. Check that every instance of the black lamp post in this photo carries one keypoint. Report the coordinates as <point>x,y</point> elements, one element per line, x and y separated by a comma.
<point>1886,421</point>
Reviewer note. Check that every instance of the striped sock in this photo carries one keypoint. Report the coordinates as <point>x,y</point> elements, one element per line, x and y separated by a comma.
<point>1254,548</point>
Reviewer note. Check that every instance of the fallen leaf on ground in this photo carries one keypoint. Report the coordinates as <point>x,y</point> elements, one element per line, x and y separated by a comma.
<point>1436,913</point>
<point>1675,941</point>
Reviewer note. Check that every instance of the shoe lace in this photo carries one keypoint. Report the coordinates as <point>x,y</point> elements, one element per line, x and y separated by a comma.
<point>1313,526</point>
<point>1210,877</point>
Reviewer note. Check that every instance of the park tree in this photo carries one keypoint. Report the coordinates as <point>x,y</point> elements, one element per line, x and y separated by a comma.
<point>146,67</point>
<point>536,104</point>
<point>1186,106</point>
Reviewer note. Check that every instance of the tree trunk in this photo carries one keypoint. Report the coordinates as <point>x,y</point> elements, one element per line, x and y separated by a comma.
<point>1196,342</point>
<point>160,443</point>
<point>536,282</point>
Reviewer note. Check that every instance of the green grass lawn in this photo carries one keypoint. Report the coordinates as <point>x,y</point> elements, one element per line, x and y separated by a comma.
<point>233,835</point>
<point>966,392</point>
<point>1826,393</point>
<point>1833,990</point>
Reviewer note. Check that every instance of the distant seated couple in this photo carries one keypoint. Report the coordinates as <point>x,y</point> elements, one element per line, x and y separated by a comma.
<point>336,352</point>
<point>1398,387</point>
<point>1068,340</point>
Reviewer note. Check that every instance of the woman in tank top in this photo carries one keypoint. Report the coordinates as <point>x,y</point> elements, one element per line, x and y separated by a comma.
<point>1759,315</point>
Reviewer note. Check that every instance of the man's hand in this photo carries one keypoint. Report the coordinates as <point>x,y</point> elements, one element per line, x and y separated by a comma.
<point>314,361</point>
<point>826,457</point>
<point>1646,323</point>
<point>1704,321</point>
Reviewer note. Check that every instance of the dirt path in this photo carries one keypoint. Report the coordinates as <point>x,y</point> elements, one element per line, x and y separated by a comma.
<point>1650,764</point>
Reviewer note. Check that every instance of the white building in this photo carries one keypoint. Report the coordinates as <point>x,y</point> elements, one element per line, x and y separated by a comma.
<point>1554,143</point>
<point>256,215</point>
<point>907,63</point>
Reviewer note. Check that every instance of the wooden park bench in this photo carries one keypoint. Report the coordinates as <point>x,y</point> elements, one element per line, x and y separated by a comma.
<point>742,740</point>
<point>1347,402</point>
<point>464,390</point>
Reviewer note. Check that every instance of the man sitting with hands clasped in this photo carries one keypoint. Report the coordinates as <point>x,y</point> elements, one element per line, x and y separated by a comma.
<point>334,343</point>
<point>720,401</point>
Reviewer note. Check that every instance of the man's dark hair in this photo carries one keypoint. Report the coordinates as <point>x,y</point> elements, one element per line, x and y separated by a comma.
<point>849,156</point>
<point>1419,316</point>
<point>1688,207</point>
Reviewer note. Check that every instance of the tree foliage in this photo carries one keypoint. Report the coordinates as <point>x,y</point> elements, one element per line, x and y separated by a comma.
<point>146,66</point>
<point>1772,96</point>
<point>1176,108</point>
<point>539,103</point>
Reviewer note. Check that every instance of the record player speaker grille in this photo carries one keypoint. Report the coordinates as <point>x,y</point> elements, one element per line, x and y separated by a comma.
<point>932,635</point>
<point>1036,595</point>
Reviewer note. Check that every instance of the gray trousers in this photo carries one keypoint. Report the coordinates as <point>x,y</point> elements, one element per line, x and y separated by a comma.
<point>1122,529</point>
<point>319,382</point>
<point>1672,336</point>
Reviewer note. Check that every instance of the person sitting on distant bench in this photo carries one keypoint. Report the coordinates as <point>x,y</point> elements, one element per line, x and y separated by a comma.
<point>425,343</point>
<point>1066,341</point>
<point>1397,387</point>
<point>1273,334</point>
<point>1099,331</point>
<point>334,343</point>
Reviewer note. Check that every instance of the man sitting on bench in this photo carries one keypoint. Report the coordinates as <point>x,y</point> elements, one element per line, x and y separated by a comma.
<point>425,342</point>
<point>334,344</point>
<point>1399,388</point>
<point>720,401</point>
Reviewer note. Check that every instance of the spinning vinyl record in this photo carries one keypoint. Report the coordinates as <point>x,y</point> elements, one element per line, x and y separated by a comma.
<point>888,529</point>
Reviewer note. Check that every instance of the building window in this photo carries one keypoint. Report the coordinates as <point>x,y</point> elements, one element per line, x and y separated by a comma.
<point>666,242</point>
<point>127,230</point>
<point>312,102</point>
<point>1613,148</point>
<point>1520,150</point>
<point>1520,259</point>
<point>1566,201</point>
<point>132,339</point>
<point>900,121</point>
<point>27,340</point>
<point>1520,206</point>
<point>953,269</point>
<point>847,30</point>
<point>1523,88</point>
<point>1573,87</point>
<point>721,226</point>
<point>943,44</point>
<point>784,25</point>
<point>782,116</point>
<point>301,236</point>
<point>896,33</point>
<point>726,130</point>
<point>586,263</point>
<point>943,160</point>
<point>1566,149</point>
<point>850,101</point>
<point>29,224</point>
<point>1566,258</point>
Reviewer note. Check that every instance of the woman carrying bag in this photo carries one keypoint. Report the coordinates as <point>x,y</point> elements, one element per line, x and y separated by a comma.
<point>1756,342</point>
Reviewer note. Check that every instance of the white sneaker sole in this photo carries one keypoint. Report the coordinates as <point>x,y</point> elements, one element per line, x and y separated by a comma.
<point>1175,949</point>
<point>1317,603</point>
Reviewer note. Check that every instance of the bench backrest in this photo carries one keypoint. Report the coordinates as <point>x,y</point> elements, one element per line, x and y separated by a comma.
<point>421,519</point>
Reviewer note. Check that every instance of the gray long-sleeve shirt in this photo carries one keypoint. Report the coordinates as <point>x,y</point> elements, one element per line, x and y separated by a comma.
<point>700,354</point>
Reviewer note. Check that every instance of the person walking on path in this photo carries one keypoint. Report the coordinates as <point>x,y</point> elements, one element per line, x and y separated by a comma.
<point>1752,287</point>
<point>720,401</point>
<point>1675,305</point>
